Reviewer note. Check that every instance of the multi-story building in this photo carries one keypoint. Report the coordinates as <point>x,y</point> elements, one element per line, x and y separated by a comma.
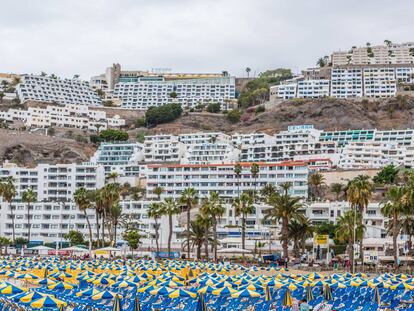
<point>163,148</point>
<point>346,82</point>
<point>115,74</point>
<point>380,54</point>
<point>345,137</point>
<point>149,92</point>
<point>313,88</point>
<point>116,157</point>
<point>68,116</point>
<point>54,182</point>
<point>287,90</point>
<point>252,139</point>
<point>206,178</point>
<point>379,82</point>
<point>360,155</point>
<point>61,91</point>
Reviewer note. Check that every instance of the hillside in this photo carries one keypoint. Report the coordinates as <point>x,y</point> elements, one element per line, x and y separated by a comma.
<point>26,148</point>
<point>327,114</point>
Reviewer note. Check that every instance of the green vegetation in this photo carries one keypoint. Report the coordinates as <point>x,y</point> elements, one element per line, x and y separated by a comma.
<point>213,107</point>
<point>141,136</point>
<point>257,91</point>
<point>234,116</point>
<point>74,237</point>
<point>113,135</point>
<point>162,114</point>
<point>108,103</point>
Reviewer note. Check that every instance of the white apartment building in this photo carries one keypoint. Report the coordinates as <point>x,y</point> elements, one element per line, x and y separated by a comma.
<point>54,182</point>
<point>286,90</point>
<point>360,155</point>
<point>252,139</point>
<point>61,91</point>
<point>346,82</point>
<point>205,178</point>
<point>50,221</point>
<point>313,88</point>
<point>68,116</point>
<point>380,54</point>
<point>379,82</point>
<point>156,91</point>
<point>117,157</point>
<point>163,148</point>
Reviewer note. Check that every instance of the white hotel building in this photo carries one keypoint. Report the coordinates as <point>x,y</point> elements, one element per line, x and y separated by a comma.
<point>68,116</point>
<point>54,182</point>
<point>156,91</point>
<point>206,178</point>
<point>61,91</point>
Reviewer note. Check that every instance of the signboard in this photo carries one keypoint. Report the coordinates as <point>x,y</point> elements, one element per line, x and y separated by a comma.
<point>165,254</point>
<point>321,239</point>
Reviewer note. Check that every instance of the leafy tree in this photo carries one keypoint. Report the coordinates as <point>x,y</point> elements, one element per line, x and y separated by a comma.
<point>141,136</point>
<point>29,197</point>
<point>158,191</point>
<point>327,228</point>
<point>299,231</point>
<point>254,170</point>
<point>316,181</point>
<point>50,131</point>
<point>74,237</point>
<point>20,241</point>
<point>196,234</point>
<point>133,239</point>
<point>234,116</point>
<point>173,95</point>
<point>115,216</point>
<point>387,176</point>
<point>213,108</point>
<point>4,242</point>
<point>113,135</point>
<point>163,114</point>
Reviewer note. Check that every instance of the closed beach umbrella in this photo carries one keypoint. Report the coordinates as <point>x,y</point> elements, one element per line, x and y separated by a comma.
<point>309,294</point>
<point>268,296</point>
<point>377,296</point>
<point>117,304</point>
<point>327,294</point>
<point>201,304</point>
<point>287,299</point>
<point>137,306</point>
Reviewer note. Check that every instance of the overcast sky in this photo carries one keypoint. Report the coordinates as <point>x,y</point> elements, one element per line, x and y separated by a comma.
<point>68,37</point>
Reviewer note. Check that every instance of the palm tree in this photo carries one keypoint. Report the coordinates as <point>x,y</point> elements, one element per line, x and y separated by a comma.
<point>83,202</point>
<point>284,208</point>
<point>155,211</point>
<point>321,62</point>
<point>197,235</point>
<point>158,191</point>
<point>337,189</point>
<point>110,198</point>
<point>170,208</point>
<point>316,181</point>
<point>299,231</point>
<point>8,192</point>
<point>206,221</point>
<point>113,176</point>
<point>266,192</point>
<point>242,207</point>
<point>237,172</point>
<point>189,198</point>
<point>254,170</point>
<point>248,71</point>
<point>115,215</point>
<point>348,225</point>
<point>394,209</point>
<point>359,194</point>
<point>29,196</point>
<point>213,206</point>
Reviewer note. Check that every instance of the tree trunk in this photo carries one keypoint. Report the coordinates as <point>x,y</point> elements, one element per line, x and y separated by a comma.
<point>188,230</point>
<point>12,217</point>
<point>97,226</point>
<point>361,242</point>
<point>395,230</point>
<point>285,237</point>
<point>170,235</point>
<point>115,227</point>
<point>206,242</point>
<point>198,251</point>
<point>243,232</point>
<point>28,224</point>
<point>215,238</point>
<point>103,227</point>
<point>351,254</point>
<point>90,233</point>
<point>303,245</point>
<point>157,236</point>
